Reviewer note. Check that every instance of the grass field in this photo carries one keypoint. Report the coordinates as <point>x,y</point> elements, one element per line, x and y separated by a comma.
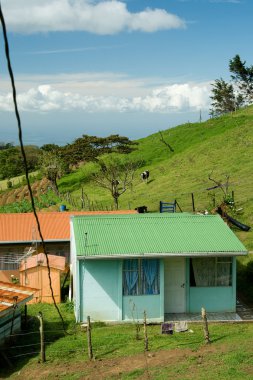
<point>118,355</point>
<point>221,147</point>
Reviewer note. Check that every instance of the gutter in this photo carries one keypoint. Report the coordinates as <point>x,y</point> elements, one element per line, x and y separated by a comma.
<point>162,255</point>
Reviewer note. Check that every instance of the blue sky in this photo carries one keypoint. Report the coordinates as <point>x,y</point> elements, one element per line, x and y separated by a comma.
<point>128,67</point>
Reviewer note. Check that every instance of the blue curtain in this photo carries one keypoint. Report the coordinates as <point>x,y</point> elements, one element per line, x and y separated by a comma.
<point>130,277</point>
<point>150,276</point>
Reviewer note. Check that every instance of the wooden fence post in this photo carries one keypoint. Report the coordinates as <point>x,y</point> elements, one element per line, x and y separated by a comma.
<point>145,332</point>
<point>193,203</point>
<point>82,198</point>
<point>90,353</point>
<point>205,326</point>
<point>42,341</point>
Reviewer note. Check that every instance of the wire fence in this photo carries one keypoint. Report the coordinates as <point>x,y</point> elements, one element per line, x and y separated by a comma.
<point>88,342</point>
<point>200,197</point>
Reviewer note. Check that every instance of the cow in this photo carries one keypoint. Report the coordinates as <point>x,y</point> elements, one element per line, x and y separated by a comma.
<point>145,175</point>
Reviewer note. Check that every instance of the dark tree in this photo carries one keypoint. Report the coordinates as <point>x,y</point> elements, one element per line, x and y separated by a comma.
<point>4,145</point>
<point>11,163</point>
<point>223,98</point>
<point>89,148</point>
<point>243,78</point>
<point>50,147</point>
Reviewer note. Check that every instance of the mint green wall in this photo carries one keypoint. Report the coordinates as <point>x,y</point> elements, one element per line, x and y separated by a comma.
<point>134,307</point>
<point>214,299</point>
<point>100,290</point>
<point>100,294</point>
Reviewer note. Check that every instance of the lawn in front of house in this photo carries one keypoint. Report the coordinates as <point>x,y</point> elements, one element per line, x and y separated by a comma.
<point>119,355</point>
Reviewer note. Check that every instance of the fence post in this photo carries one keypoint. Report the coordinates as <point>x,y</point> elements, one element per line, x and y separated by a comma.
<point>90,353</point>
<point>205,326</point>
<point>193,204</point>
<point>145,332</point>
<point>42,341</point>
<point>82,199</point>
<point>25,316</point>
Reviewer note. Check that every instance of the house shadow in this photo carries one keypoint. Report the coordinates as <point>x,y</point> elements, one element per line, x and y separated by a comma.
<point>25,345</point>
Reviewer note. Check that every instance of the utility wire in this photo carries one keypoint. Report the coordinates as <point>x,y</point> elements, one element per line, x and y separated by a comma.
<point>7,54</point>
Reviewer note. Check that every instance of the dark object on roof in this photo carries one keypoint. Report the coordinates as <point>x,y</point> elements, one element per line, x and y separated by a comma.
<point>235,222</point>
<point>141,209</point>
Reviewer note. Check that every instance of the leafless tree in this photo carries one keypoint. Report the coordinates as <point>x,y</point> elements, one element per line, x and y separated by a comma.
<point>116,176</point>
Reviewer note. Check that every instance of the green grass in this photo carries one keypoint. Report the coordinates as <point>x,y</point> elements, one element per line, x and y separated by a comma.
<point>222,146</point>
<point>18,181</point>
<point>179,356</point>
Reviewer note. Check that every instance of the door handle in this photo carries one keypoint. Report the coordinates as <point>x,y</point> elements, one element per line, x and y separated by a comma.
<point>183,285</point>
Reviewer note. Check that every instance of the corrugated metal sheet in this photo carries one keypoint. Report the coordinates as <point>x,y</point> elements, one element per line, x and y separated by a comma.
<point>54,225</point>
<point>9,293</point>
<point>154,234</point>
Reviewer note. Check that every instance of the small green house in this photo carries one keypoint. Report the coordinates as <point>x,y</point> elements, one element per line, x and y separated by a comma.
<point>160,263</point>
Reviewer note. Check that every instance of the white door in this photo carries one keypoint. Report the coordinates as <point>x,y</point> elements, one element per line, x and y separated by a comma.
<point>174,285</point>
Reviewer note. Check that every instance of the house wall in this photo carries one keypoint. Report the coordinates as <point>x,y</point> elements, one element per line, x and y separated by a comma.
<point>54,248</point>
<point>213,299</point>
<point>5,275</point>
<point>100,290</point>
<point>38,278</point>
<point>101,296</point>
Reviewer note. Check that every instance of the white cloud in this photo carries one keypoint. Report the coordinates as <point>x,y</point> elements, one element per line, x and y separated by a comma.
<point>164,99</point>
<point>99,17</point>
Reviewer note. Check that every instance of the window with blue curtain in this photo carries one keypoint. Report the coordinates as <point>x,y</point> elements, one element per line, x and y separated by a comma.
<point>141,277</point>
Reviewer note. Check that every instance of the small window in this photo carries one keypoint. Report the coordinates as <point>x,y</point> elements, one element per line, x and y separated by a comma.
<point>141,277</point>
<point>211,271</point>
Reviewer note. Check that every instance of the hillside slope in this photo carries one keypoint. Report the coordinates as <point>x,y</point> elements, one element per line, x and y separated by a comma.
<point>222,147</point>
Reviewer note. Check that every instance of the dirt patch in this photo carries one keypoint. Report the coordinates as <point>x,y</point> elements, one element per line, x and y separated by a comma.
<point>113,368</point>
<point>15,195</point>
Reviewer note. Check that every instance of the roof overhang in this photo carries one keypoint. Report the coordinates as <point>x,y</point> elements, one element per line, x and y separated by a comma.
<point>162,255</point>
<point>34,241</point>
<point>13,294</point>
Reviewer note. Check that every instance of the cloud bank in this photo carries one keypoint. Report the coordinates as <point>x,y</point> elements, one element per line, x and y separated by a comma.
<point>99,17</point>
<point>163,99</point>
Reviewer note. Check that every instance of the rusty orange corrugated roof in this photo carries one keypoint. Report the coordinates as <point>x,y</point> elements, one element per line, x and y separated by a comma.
<point>10,294</point>
<point>55,226</point>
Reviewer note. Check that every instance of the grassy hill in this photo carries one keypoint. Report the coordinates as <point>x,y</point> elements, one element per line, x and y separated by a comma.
<point>220,147</point>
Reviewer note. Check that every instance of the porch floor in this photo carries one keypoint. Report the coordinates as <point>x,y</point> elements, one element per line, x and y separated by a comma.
<point>243,312</point>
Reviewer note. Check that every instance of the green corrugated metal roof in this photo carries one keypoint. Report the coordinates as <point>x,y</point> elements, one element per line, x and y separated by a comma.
<point>139,234</point>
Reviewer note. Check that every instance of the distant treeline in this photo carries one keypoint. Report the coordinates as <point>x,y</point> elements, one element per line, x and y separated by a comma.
<point>48,157</point>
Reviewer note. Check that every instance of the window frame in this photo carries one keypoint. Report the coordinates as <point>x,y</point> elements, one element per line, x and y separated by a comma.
<point>218,260</point>
<point>141,278</point>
